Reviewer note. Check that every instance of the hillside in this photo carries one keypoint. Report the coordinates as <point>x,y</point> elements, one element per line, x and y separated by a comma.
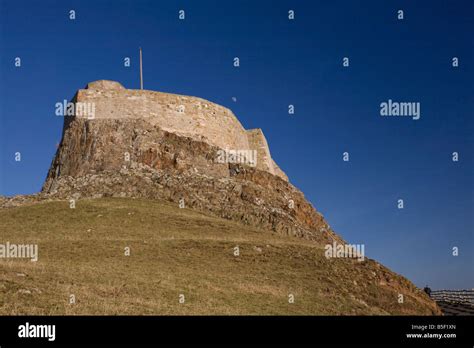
<point>177,251</point>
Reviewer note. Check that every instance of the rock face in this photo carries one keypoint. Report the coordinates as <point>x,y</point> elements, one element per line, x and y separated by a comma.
<point>164,146</point>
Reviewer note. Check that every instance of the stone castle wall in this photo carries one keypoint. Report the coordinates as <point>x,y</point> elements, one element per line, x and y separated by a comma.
<point>258,142</point>
<point>183,115</point>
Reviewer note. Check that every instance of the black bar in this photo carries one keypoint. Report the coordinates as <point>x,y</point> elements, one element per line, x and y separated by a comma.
<point>239,330</point>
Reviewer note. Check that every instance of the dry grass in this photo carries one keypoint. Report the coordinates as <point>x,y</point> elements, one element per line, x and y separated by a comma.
<point>176,251</point>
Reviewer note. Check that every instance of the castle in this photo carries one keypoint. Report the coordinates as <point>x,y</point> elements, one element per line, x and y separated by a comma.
<point>183,115</point>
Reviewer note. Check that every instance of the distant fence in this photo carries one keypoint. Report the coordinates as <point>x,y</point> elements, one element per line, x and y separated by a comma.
<point>458,296</point>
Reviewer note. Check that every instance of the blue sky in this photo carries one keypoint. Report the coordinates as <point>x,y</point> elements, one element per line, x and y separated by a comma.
<point>282,62</point>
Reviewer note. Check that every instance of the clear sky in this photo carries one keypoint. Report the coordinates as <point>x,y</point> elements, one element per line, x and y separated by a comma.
<point>282,62</point>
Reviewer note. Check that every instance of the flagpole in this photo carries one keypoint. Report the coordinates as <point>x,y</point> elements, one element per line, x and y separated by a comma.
<point>141,70</point>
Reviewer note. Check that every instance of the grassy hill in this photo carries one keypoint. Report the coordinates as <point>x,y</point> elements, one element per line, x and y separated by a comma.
<point>179,251</point>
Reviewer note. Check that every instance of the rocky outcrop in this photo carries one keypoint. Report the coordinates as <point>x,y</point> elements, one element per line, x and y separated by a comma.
<point>140,144</point>
<point>104,157</point>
